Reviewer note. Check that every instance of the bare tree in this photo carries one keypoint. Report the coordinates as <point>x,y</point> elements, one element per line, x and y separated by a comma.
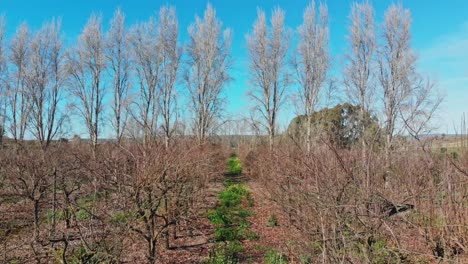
<point>85,65</point>
<point>168,31</point>
<point>420,107</point>
<point>146,59</point>
<point>207,69</point>
<point>119,66</point>
<point>3,79</point>
<point>397,67</point>
<point>18,103</point>
<point>312,60</point>
<point>45,79</point>
<point>29,179</point>
<point>409,99</point>
<point>358,73</point>
<point>267,52</point>
<point>362,47</point>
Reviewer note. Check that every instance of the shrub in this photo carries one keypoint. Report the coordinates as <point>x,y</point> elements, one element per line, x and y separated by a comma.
<point>225,253</point>
<point>233,195</point>
<point>234,166</point>
<point>275,257</point>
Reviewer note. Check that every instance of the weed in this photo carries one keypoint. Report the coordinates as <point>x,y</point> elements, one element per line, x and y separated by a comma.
<point>275,257</point>
<point>121,218</point>
<point>225,253</point>
<point>234,166</point>
<point>272,221</point>
<point>59,215</point>
<point>231,225</point>
<point>83,215</point>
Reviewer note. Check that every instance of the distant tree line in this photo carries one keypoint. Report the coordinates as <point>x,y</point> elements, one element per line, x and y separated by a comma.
<point>136,72</point>
<point>132,71</point>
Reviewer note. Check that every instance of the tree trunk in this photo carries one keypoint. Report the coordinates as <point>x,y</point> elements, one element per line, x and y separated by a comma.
<point>166,141</point>
<point>166,231</point>
<point>388,162</point>
<point>54,202</point>
<point>151,251</point>
<point>36,219</point>
<point>309,133</point>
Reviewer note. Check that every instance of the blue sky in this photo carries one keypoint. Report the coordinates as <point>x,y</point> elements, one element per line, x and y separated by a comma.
<point>439,30</point>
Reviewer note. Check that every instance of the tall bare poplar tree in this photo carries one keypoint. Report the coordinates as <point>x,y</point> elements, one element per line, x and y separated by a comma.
<point>397,63</point>
<point>360,57</point>
<point>168,32</point>
<point>85,65</point>
<point>146,59</point>
<point>409,100</point>
<point>119,66</point>
<point>359,62</point>
<point>45,80</point>
<point>207,69</point>
<point>3,79</point>
<point>267,52</point>
<point>312,60</point>
<point>18,102</point>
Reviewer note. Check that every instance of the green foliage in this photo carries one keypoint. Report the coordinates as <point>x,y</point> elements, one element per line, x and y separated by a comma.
<point>231,225</point>
<point>225,253</point>
<point>454,155</point>
<point>59,215</point>
<point>88,200</point>
<point>380,253</point>
<point>234,165</point>
<point>121,218</point>
<point>252,236</point>
<point>275,257</point>
<point>233,195</point>
<point>342,125</point>
<point>374,250</point>
<point>228,182</point>
<point>58,255</point>
<point>82,255</point>
<point>230,218</point>
<point>85,204</point>
<point>83,215</point>
<point>272,221</point>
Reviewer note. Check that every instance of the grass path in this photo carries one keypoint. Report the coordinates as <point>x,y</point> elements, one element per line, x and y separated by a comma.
<point>265,236</point>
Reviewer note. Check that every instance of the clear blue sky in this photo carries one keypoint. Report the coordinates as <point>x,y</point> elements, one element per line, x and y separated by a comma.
<point>439,29</point>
